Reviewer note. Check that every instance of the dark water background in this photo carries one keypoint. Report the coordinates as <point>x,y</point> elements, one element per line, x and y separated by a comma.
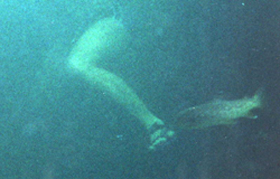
<point>183,53</point>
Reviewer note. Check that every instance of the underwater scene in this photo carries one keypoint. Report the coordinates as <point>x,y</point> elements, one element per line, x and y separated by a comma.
<point>139,89</point>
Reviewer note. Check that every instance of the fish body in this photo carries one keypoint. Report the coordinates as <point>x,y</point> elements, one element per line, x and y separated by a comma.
<point>219,112</point>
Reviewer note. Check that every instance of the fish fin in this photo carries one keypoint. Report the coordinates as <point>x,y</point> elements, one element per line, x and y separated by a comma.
<point>251,115</point>
<point>230,122</point>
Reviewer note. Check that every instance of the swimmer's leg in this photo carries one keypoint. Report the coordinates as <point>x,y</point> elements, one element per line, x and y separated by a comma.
<point>103,40</point>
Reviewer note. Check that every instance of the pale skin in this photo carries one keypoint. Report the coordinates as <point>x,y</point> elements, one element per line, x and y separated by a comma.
<point>107,39</point>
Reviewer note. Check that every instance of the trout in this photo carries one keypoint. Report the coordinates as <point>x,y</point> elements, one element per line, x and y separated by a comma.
<point>219,112</point>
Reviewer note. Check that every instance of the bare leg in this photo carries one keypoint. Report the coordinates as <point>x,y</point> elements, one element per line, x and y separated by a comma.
<point>105,39</point>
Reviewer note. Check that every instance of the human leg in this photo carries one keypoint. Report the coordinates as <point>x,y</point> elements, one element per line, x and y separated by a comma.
<point>106,39</point>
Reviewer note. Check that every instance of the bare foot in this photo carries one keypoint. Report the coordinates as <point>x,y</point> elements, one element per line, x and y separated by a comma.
<point>159,135</point>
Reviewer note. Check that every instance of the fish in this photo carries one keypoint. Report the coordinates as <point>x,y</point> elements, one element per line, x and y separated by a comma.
<point>220,112</point>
